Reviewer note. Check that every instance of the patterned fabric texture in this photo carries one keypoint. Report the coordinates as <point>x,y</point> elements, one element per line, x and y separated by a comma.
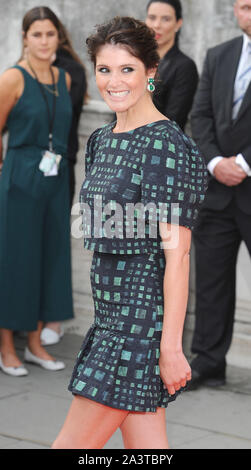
<point>118,361</point>
<point>154,164</point>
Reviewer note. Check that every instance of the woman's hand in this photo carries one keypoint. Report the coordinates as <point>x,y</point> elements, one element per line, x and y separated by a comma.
<point>174,370</point>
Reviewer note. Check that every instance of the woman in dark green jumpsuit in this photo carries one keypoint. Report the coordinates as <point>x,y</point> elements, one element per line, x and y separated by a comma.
<point>35,267</point>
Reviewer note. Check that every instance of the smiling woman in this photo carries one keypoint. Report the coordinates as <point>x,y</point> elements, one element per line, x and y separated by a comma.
<point>120,83</point>
<point>131,364</point>
<point>119,77</point>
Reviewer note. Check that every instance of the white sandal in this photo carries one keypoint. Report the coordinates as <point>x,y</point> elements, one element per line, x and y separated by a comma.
<point>46,364</point>
<point>49,336</point>
<point>19,371</point>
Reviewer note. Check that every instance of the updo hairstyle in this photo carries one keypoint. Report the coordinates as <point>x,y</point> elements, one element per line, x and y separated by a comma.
<point>132,34</point>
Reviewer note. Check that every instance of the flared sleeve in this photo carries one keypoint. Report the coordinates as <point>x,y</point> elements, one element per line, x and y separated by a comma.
<point>174,179</point>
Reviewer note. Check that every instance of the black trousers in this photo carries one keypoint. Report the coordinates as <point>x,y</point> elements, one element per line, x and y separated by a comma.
<point>217,239</point>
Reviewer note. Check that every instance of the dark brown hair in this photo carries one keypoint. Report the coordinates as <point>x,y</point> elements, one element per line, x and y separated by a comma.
<point>130,33</point>
<point>177,6</point>
<point>45,13</point>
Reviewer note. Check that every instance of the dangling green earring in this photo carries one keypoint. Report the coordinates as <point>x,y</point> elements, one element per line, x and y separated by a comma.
<point>151,86</point>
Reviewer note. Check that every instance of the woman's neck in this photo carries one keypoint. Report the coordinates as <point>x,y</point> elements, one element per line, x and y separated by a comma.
<point>139,115</point>
<point>41,67</point>
<point>162,50</point>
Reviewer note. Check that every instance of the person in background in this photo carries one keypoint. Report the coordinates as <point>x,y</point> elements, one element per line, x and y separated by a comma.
<point>177,73</point>
<point>35,260</point>
<point>67,59</point>
<point>220,120</point>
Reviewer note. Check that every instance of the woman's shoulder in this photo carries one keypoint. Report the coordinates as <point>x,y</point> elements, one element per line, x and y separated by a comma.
<point>181,155</point>
<point>94,138</point>
<point>168,137</point>
<point>67,76</point>
<point>58,71</point>
<point>185,60</point>
<point>166,130</point>
<point>12,79</point>
<point>101,130</point>
<point>12,74</point>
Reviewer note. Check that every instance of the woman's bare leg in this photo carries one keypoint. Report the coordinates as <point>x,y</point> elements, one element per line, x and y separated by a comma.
<point>145,430</point>
<point>34,344</point>
<point>7,349</point>
<point>88,425</point>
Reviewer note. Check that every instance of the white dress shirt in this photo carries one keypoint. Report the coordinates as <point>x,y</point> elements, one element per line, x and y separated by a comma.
<point>240,160</point>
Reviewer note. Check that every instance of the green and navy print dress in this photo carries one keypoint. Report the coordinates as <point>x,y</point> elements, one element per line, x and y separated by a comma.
<point>158,166</point>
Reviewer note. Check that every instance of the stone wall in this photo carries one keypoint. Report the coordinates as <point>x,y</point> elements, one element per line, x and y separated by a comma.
<point>206,23</point>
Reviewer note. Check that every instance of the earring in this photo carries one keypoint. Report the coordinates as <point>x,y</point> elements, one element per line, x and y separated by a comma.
<point>151,86</point>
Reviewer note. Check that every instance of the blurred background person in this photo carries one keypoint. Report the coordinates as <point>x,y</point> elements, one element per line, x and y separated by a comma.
<point>177,73</point>
<point>35,261</point>
<point>220,121</point>
<point>67,58</point>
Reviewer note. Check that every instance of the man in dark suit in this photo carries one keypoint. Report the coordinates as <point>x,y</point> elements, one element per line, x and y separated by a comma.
<point>221,126</point>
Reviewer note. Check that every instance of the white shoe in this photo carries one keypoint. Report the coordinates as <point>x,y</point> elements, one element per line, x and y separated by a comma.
<point>49,365</point>
<point>19,371</point>
<point>49,336</point>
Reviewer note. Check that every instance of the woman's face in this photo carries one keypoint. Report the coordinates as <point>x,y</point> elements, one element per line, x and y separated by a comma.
<point>41,39</point>
<point>121,78</point>
<point>161,17</point>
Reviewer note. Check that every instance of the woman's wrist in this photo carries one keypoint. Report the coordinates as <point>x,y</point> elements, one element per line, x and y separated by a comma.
<point>171,338</point>
<point>170,347</point>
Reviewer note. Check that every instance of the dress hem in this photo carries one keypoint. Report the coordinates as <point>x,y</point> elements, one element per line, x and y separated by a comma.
<point>151,410</point>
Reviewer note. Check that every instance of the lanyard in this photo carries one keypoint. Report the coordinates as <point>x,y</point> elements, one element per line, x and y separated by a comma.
<point>51,118</point>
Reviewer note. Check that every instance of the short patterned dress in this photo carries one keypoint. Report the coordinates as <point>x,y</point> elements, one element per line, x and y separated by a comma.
<point>159,168</point>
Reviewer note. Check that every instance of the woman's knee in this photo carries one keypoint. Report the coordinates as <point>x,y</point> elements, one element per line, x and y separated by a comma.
<point>66,442</point>
<point>60,444</point>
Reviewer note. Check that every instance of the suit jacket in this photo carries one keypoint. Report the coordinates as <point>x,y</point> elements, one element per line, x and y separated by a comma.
<point>175,89</point>
<point>212,126</point>
<point>77,93</point>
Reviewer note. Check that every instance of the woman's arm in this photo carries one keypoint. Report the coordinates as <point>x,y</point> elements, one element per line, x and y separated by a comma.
<point>68,80</point>
<point>1,153</point>
<point>11,88</point>
<point>174,368</point>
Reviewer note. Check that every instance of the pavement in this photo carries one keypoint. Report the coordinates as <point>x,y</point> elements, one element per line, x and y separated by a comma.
<point>33,408</point>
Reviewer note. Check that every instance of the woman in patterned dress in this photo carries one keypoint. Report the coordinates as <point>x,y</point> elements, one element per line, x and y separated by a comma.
<point>131,363</point>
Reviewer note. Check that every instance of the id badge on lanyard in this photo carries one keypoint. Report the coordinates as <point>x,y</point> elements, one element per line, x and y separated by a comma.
<point>49,164</point>
<point>50,161</point>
